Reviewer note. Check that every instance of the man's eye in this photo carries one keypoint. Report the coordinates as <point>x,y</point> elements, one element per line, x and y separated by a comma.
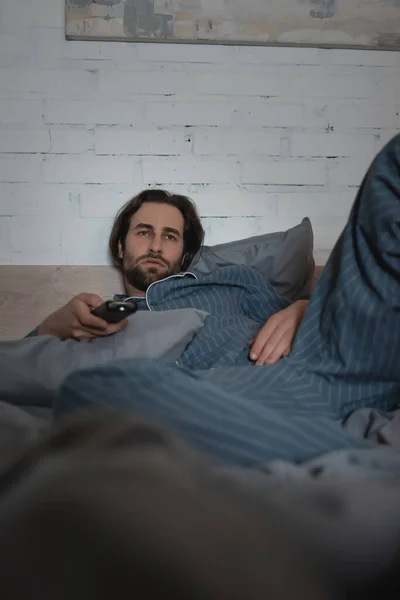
<point>171,237</point>
<point>143,233</point>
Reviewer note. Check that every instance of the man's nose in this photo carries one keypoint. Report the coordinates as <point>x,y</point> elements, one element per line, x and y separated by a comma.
<point>156,244</point>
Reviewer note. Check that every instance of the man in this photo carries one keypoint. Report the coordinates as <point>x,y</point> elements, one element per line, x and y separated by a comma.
<point>155,237</point>
<point>345,355</point>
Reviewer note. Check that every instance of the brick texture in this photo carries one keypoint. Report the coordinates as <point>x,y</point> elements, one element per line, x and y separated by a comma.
<point>258,137</point>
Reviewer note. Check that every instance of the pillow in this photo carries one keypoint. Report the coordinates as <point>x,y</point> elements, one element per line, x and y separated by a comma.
<point>33,368</point>
<point>285,258</point>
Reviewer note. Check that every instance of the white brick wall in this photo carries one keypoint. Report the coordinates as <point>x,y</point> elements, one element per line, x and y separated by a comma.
<point>19,168</point>
<point>258,137</point>
<point>117,140</point>
<point>283,172</point>
<point>158,171</point>
<point>20,141</point>
<point>208,112</point>
<point>331,144</point>
<point>18,111</point>
<point>29,200</point>
<point>92,112</point>
<point>87,169</point>
<point>224,141</point>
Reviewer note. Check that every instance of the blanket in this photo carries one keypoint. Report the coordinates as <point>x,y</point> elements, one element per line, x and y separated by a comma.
<point>32,369</point>
<point>146,483</point>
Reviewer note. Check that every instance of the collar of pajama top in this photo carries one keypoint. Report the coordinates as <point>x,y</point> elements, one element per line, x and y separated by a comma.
<point>144,302</point>
<point>227,293</point>
<point>237,300</point>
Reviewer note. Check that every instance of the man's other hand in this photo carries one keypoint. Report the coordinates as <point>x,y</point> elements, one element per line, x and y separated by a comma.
<point>76,321</point>
<point>276,337</point>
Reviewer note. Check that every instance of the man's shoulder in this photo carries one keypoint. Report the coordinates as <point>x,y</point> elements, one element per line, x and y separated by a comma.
<point>228,273</point>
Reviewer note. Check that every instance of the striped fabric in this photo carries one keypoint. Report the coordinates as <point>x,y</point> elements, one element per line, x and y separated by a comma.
<point>239,301</point>
<point>346,354</point>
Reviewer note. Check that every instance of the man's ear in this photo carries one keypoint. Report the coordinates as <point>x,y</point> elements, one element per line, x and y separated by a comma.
<point>120,251</point>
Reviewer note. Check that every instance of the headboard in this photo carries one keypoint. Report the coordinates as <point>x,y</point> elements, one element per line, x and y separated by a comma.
<point>28,294</point>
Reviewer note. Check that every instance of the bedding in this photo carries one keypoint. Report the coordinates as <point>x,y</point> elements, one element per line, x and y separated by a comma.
<point>353,527</point>
<point>19,427</point>
<point>379,461</point>
<point>348,531</point>
<point>284,258</point>
<point>351,524</point>
<point>32,369</point>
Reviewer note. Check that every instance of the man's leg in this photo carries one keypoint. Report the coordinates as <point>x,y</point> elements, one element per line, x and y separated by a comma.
<point>350,336</point>
<point>228,427</point>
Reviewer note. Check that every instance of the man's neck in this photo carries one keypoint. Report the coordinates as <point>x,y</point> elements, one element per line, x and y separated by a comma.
<point>132,292</point>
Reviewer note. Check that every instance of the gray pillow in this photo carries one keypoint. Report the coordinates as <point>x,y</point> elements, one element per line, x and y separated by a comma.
<point>32,369</point>
<point>285,258</point>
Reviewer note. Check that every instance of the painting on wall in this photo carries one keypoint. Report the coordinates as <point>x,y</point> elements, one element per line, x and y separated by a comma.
<point>371,24</point>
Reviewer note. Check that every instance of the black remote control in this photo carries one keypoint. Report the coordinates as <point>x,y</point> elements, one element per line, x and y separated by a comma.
<point>113,311</point>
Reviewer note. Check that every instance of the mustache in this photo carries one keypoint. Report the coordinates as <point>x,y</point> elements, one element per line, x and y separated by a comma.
<point>154,257</point>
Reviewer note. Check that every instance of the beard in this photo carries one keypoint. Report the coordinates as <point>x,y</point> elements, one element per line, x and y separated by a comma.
<point>141,276</point>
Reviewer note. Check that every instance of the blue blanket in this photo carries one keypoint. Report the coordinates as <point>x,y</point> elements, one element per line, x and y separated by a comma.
<point>345,356</point>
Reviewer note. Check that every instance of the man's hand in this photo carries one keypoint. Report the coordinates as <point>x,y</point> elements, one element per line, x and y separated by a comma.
<point>276,337</point>
<point>76,321</point>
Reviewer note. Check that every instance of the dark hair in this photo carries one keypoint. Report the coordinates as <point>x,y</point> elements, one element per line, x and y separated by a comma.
<point>193,233</point>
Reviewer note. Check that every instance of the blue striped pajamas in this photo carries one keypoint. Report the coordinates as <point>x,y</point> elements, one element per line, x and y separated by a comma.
<point>346,354</point>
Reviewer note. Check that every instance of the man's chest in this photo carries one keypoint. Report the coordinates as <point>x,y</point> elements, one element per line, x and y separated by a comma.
<point>223,293</point>
<point>215,299</point>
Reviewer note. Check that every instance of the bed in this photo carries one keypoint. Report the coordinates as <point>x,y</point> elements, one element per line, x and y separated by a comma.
<point>345,500</point>
<point>28,294</point>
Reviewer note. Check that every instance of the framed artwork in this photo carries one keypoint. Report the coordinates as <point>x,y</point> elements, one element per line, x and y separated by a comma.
<point>370,24</point>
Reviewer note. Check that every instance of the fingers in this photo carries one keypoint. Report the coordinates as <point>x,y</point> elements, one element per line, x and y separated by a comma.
<point>263,338</point>
<point>79,335</point>
<point>116,327</point>
<point>275,347</point>
<point>90,321</point>
<point>80,332</point>
<point>92,300</point>
<point>281,349</point>
<point>276,337</point>
<point>83,312</point>
<point>273,341</point>
<point>92,332</point>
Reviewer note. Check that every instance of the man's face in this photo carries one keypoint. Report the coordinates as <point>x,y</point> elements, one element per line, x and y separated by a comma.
<point>153,246</point>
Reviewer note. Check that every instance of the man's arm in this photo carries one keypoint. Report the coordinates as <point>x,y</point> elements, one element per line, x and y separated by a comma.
<point>280,317</point>
<point>76,321</point>
<point>277,336</point>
